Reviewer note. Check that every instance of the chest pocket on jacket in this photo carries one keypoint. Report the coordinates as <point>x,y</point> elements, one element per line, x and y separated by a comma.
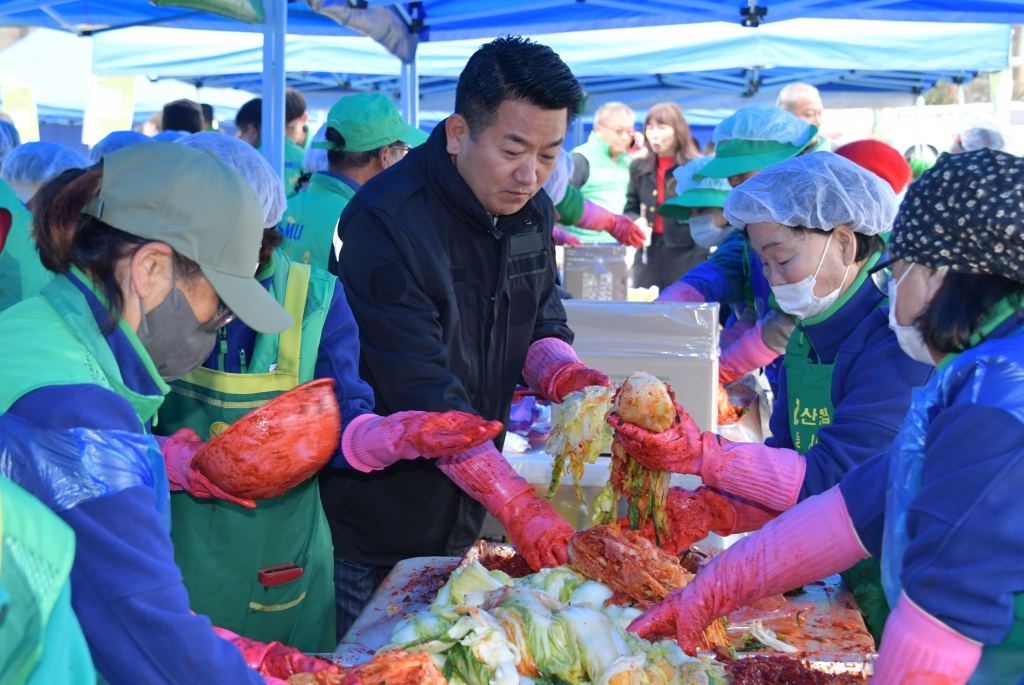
<point>527,257</point>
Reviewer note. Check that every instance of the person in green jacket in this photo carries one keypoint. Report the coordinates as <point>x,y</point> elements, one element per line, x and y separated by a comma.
<point>365,135</point>
<point>249,123</point>
<point>41,642</point>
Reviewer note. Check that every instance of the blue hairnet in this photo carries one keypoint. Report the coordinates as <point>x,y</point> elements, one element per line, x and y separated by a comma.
<point>244,158</point>
<point>820,190</point>
<point>170,136</point>
<point>759,122</point>
<point>983,133</point>
<point>316,158</point>
<point>9,138</point>
<point>684,177</point>
<point>116,141</point>
<point>36,163</point>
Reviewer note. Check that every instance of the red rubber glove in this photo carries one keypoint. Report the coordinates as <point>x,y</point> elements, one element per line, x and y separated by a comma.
<point>565,239</point>
<point>677,450</point>
<point>274,659</point>
<point>553,370</point>
<point>179,450</point>
<point>919,650</point>
<point>537,530</point>
<point>812,541</point>
<point>372,442</point>
<point>621,227</point>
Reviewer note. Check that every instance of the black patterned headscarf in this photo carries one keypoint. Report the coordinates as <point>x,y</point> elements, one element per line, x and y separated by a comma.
<point>965,213</point>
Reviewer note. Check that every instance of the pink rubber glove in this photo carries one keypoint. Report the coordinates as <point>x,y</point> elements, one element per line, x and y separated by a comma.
<point>537,530</point>
<point>745,355</point>
<point>677,449</point>
<point>730,335</point>
<point>812,541</point>
<point>372,442</point>
<point>553,370</point>
<point>680,292</point>
<point>770,476</point>
<point>622,228</point>
<point>273,659</point>
<point>565,239</point>
<point>179,450</point>
<point>919,650</point>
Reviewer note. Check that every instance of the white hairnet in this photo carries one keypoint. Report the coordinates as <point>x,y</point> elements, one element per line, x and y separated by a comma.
<point>244,158</point>
<point>684,177</point>
<point>316,158</point>
<point>37,163</point>
<point>9,138</point>
<point>759,122</point>
<point>819,190</point>
<point>558,181</point>
<point>982,133</point>
<point>170,136</point>
<point>116,141</point>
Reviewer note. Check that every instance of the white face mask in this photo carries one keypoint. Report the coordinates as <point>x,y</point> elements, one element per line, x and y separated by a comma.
<point>910,339</point>
<point>704,231</point>
<point>798,299</point>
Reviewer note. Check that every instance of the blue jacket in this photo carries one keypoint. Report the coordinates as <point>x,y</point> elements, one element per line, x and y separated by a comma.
<point>966,554</point>
<point>337,358</point>
<point>125,588</point>
<point>871,388</point>
<point>721,278</point>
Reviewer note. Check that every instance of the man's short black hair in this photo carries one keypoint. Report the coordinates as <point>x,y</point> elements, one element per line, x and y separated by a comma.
<point>183,115</point>
<point>207,115</point>
<point>514,68</point>
<point>338,160</point>
<point>294,105</point>
<point>250,114</point>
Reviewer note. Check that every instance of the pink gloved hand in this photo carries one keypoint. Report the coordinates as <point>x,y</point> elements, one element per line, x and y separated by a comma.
<point>179,450</point>
<point>274,659</point>
<point>565,239</point>
<point>919,650</point>
<point>677,449</point>
<point>622,228</point>
<point>770,476</point>
<point>680,292</point>
<point>372,442</point>
<point>537,530</point>
<point>553,370</point>
<point>730,335</point>
<point>810,542</point>
<point>745,355</point>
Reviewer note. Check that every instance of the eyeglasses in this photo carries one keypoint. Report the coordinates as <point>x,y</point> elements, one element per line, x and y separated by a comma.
<point>620,132</point>
<point>400,150</point>
<point>222,318</point>
<point>881,275</point>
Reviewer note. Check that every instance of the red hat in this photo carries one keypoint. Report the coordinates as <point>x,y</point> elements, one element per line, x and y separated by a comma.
<point>881,159</point>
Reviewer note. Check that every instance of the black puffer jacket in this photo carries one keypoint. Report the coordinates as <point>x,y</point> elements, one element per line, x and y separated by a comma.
<point>642,193</point>
<point>447,303</point>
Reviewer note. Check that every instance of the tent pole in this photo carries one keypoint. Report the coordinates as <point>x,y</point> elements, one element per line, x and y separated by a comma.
<point>920,114</point>
<point>272,129</point>
<point>410,83</point>
<point>960,101</point>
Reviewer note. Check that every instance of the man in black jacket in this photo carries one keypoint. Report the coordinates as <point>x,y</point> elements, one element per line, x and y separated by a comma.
<point>448,265</point>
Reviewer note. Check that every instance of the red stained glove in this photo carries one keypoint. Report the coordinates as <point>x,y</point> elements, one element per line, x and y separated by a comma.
<point>621,227</point>
<point>746,354</point>
<point>274,659</point>
<point>553,370</point>
<point>680,292</point>
<point>372,442</point>
<point>627,232</point>
<point>678,450</point>
<point>812,541</point>
<point>537,530</point>
<point>179,450</point>
<point>565,239</point>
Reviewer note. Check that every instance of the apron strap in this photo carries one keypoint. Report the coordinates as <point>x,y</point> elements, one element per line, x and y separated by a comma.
<point>290,345</point>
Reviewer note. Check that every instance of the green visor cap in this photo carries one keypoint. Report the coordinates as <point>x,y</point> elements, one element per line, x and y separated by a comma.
<point>203,209</point>
<point>369,121</point>
<point>738,156</point>
<point>678,208</point>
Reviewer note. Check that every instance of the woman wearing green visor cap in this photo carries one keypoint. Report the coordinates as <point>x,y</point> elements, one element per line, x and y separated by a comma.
<point>365,134</point>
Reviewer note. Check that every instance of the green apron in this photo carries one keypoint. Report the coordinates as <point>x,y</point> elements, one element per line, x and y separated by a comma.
<point>22,275</point>
<point>221,547</point>
<point>809,393</point>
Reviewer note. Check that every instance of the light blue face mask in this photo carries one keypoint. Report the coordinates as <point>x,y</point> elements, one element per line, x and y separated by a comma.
<point>910,339</point>
<point>705,232</point>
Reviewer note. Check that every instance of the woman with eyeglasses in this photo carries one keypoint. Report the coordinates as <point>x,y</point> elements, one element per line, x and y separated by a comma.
<point>845,385</point>
<point>942,507</point>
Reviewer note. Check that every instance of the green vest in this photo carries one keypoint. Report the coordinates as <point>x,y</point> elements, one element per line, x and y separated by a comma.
<point>606,186</point>
<point>311,220</point>
<point>22,275</point>
<point>41,642</point>
<point>221,547</point>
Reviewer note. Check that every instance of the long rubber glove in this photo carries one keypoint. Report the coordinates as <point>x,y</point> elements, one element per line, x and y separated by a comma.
<point>537,530</point>
<point>812,541</point>
<point>553,370</point>
<point>372,442</point>
<point>730,335</point>
<point>770,476</point>
<point>692,515</point>
<point>621,227</point>
<point>745,355</point>
<point>565,239</point>
<point>273,659</point>
<point>919,650</point>
<point>179,450</point>
<point>680,292</point>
